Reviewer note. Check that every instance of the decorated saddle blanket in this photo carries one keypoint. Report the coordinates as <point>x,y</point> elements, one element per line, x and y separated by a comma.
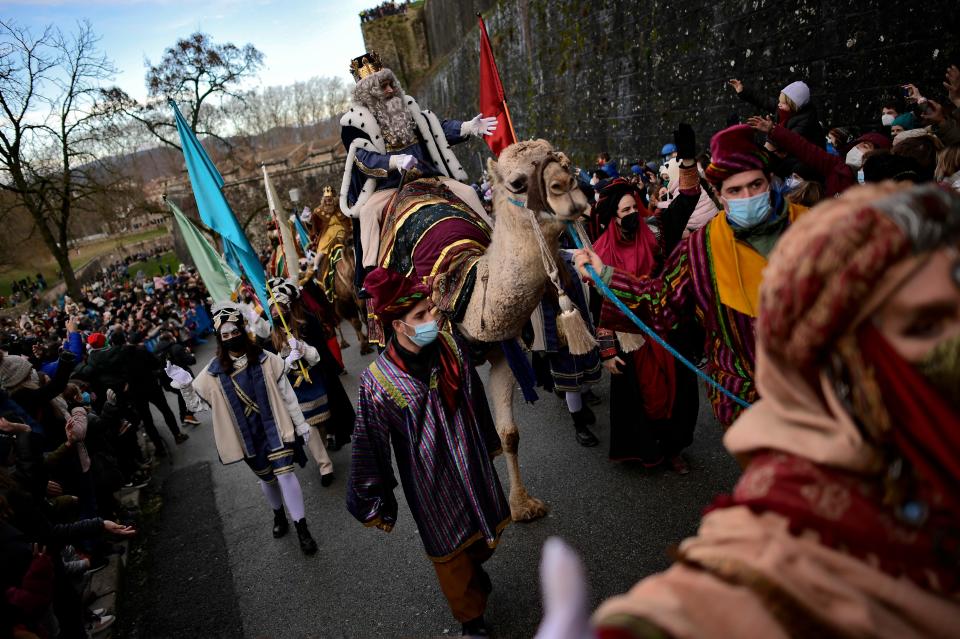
<point>327,271</point>
<point>430,234</point>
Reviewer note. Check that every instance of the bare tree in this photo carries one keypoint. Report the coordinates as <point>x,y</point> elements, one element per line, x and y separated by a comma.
<point>199,74</point>
<point>52,132</point>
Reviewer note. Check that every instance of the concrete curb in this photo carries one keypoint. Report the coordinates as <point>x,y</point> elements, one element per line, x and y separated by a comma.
<point>104,586</point>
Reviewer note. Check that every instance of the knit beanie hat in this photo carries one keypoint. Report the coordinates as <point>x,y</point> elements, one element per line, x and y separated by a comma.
<point>878,140</point>
<point>907,120</point>
<point>831,261</point>
<point>97,340</point>
<point>14,370</point>
<point>735,150</point>
<point>798,92</point>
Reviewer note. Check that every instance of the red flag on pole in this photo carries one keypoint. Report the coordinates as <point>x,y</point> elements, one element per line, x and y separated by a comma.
<point>493,103</point>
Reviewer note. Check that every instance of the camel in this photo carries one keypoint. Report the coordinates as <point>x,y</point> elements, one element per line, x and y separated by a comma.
<point>511,277</point>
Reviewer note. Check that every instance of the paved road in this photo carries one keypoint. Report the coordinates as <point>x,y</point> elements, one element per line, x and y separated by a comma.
<point>212,568</point>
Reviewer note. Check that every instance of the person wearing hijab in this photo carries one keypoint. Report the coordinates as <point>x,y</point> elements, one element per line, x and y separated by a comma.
<point>419,397</point>
<point>653,403</point>
<point>846,520</point>
<point>256,416</point>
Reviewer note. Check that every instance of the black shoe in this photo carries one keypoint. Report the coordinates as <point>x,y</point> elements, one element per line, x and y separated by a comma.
<point>475,628</point>
<point>181,437</point>
<point>160,451</point>
<point>590,398</point>
<point>326,480</point>
<point>280,525</point>
<point>585,438</point>
<point>307,544</point>
<point>580,422</point>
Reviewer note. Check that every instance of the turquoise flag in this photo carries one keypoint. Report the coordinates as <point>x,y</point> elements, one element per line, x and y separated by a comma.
<point>215,211</point>
<point>216,275</point>
<point>302,234</point>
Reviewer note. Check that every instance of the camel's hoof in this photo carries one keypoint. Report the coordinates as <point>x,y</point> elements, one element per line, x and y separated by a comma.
<point>529,509</point>
<point>365,350</point>
<point>344,345</point>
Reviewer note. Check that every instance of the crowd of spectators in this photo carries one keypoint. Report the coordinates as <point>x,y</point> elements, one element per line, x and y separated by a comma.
<point>77,380</point>
<point>383,10</point>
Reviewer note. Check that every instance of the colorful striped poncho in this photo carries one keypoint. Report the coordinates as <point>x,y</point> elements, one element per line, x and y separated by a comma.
<point>686,290</point>
<point>445,460</point>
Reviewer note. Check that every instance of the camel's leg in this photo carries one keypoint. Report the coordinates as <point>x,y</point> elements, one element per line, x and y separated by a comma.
<point>523,507</point>
<point>343,340</point>
<point>361,337</point>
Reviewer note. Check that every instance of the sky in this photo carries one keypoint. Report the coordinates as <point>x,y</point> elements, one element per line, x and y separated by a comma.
<point>299,38</point>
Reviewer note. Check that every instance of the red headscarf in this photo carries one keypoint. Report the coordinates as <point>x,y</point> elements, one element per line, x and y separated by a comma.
<point>636,255</point>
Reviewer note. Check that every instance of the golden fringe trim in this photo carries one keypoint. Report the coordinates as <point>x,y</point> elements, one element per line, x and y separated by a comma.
<point>475,537</point>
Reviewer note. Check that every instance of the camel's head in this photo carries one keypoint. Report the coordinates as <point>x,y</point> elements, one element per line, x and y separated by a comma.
<point>533,169</point>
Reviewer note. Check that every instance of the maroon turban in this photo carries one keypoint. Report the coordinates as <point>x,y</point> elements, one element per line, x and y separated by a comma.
<point>735,150</point>
<point>393,294</point>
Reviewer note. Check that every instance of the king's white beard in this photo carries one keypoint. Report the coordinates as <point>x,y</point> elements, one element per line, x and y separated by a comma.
<point>396,122</point>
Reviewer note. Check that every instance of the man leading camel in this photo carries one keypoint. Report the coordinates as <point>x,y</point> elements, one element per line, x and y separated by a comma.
<point>714,274</point>
<point>388,137</point>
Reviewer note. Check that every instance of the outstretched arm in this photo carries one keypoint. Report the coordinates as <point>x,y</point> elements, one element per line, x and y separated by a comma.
<point>479,126</point>
<point>659,302</point>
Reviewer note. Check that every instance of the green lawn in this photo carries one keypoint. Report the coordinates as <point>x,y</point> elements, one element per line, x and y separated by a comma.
<point>152,267</point>
<point>78,257</point>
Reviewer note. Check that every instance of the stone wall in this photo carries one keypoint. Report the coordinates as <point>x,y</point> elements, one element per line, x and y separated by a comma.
<point>402,42</point>
<point>619,76</point>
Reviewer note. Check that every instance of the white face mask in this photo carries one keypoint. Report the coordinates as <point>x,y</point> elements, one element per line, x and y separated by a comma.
<point>887,119</point>
<point>855,157</point>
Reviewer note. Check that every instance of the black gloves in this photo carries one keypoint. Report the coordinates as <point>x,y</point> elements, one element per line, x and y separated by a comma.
<point>685,141</point>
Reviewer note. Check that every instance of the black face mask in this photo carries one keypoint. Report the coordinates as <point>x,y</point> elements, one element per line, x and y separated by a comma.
<point>233,344</point>
<point>630,223</point>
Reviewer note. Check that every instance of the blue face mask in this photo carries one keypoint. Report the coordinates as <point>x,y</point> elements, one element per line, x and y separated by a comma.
<point>748,212</point>
<point>85,397</point>
<point>860,176</point>
<point>423,334</point>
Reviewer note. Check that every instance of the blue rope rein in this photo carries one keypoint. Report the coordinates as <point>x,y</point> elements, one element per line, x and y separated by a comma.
<point>610,295</point>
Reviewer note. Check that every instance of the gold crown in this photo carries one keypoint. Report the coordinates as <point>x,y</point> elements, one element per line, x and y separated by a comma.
<point>328,191</point>
<point>365,65</point>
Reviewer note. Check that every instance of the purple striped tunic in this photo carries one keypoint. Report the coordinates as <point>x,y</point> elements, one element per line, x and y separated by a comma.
<point>445,461</point>
<point>686,291</point>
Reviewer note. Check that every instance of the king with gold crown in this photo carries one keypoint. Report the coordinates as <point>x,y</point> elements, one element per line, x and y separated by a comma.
<point>389,139</point>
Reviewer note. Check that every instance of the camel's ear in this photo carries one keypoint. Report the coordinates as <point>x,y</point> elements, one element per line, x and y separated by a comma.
<point>517,181</point>
<point>563,159</point>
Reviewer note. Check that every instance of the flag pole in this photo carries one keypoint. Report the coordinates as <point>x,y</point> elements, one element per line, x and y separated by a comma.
<point>506,111</point>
